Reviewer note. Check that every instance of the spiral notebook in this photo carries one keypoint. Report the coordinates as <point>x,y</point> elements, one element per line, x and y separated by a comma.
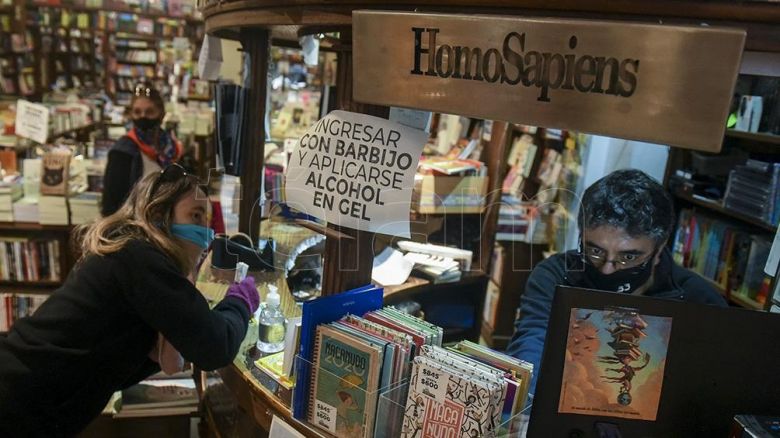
<point>345,379</point>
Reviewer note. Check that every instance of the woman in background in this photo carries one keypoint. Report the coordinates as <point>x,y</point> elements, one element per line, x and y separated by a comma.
<point>146,148</point>
<point>128,298</point>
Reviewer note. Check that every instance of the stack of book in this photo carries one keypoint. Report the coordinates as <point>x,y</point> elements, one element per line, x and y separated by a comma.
<point>16,306</point>
<point>26,210</point>
<point>10,191</point>
<point>436,263</point>
<point>84,207</point>
<point>517,220</point>
<point>53,210</point>
<point>754,190</point>
<point>468,390</point>
<point>520,163</point>
<point>725,254</point>
<point>160,396</point>
<point>355,359</point>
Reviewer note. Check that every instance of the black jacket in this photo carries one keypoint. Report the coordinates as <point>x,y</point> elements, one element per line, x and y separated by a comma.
<point>123,169</point>
<point>59,367</point>
<point>670,281</point>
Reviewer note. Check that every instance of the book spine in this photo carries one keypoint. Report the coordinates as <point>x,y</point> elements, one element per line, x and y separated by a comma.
<point>3,324</point>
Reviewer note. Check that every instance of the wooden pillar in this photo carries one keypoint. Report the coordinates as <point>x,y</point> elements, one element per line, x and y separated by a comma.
<point>348,260</point>
<point>496,164</point>
<point>256,43</point>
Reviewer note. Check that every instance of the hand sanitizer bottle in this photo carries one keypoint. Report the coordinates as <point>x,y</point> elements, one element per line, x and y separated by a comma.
<point>271,324</point>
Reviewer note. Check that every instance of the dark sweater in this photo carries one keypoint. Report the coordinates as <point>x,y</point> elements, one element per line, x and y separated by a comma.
<point>671,281</point>
<point>123,169</point>
<point>59,367</point>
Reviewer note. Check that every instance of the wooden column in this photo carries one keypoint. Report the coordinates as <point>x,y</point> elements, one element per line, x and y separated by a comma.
<point>495,155</point>
<point>256,43</point>
<point>348,260</point>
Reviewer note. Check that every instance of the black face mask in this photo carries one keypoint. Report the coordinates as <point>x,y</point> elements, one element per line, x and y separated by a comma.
<point>145,124</point>
<point>624,280</point>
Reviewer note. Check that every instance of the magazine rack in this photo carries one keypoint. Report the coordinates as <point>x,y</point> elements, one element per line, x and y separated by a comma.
<point>388,420</point>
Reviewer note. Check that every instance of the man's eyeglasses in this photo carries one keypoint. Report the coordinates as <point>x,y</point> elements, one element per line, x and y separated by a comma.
<point>598,258</point>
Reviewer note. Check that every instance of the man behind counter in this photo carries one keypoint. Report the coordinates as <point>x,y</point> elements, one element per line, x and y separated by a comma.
<point>626,219</point>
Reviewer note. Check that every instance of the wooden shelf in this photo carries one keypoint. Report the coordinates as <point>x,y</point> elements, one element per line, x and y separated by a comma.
<point>135,36</point>
<point>754,136</point>
<point>33,226</point>
<point>121,61</point>
<point>88,127</point>
<point>31,284</point>
<point>717,207</point>
<point>26,289</point>
<point>736,298</point>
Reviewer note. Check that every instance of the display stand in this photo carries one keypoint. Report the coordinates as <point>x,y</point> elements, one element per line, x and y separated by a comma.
<point>348,253</point>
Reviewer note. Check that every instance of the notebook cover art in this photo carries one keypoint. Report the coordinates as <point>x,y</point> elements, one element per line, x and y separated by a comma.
<point>615,361</point>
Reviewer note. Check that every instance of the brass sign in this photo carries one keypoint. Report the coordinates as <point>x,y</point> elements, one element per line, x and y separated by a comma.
<point>662,84</point>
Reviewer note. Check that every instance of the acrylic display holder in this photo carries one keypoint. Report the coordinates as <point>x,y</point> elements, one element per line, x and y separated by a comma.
<point>344,399</point>
<point>390,401</point>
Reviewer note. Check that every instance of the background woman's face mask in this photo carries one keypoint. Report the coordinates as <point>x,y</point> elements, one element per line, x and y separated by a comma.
<point>145,123</point>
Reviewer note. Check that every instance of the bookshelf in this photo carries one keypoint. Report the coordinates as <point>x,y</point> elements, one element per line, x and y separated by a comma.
<point>687,197</point>
<point>718,207</point>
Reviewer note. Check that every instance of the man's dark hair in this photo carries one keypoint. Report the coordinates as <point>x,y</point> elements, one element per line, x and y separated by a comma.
<point>630,200</point>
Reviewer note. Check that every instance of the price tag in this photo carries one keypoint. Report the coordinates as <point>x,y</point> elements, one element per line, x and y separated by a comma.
<point>325,416</point>
<point>433,383</point>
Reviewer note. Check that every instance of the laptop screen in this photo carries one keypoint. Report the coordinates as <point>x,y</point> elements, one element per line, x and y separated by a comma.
<point>631,366</point>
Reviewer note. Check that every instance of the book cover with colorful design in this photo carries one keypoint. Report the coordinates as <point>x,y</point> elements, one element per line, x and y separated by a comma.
<point>443,404</point>
<point>615,361</point>
<point>344,384</point>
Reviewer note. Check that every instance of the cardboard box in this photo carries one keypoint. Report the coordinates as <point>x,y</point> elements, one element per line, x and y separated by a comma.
<point>449,194</point>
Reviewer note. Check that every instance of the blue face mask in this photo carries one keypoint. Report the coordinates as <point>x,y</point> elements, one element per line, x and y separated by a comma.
<point>197,234</point>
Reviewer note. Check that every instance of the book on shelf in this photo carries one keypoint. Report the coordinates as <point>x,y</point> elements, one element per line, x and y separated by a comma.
<point>26,210</point>
<point>11,190</point>
<point>84,207</point>
<point>726,254</point>
<point>23,259</point>
<point>14,306</point>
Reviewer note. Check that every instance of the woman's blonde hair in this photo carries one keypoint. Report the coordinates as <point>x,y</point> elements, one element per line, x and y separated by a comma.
<point>147,215</point>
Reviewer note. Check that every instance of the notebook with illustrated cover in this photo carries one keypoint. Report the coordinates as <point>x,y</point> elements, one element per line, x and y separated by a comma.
<point>444,402</point>
<point>345,379</point>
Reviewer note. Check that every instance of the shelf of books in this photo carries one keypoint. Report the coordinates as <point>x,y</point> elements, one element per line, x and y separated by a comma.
<point>726,254</point>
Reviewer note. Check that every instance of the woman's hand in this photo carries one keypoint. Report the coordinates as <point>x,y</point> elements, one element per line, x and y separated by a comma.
<point>246,291</point>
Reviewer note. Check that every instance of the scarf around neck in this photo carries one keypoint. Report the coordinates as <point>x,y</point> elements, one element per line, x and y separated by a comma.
<point>168,151</point>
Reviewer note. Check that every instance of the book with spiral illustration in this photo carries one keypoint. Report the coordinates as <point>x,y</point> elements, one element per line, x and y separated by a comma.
<point>615,361</point>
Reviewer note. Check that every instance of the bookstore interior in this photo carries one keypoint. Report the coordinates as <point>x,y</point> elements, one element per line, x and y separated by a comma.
<point>440,219</point>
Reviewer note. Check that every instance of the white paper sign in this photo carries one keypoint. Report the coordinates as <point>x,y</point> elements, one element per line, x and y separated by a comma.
<point>356,171</point>
<point>32,121</point>
<point>210,58</point>
<point>325,416</point>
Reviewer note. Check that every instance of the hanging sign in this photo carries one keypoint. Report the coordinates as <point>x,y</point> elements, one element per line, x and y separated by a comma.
<point>356,171</point>
<point>663,84</point>
<point>32,121</point>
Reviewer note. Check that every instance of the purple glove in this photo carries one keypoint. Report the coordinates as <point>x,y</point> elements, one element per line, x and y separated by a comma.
<point>247,292</point>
